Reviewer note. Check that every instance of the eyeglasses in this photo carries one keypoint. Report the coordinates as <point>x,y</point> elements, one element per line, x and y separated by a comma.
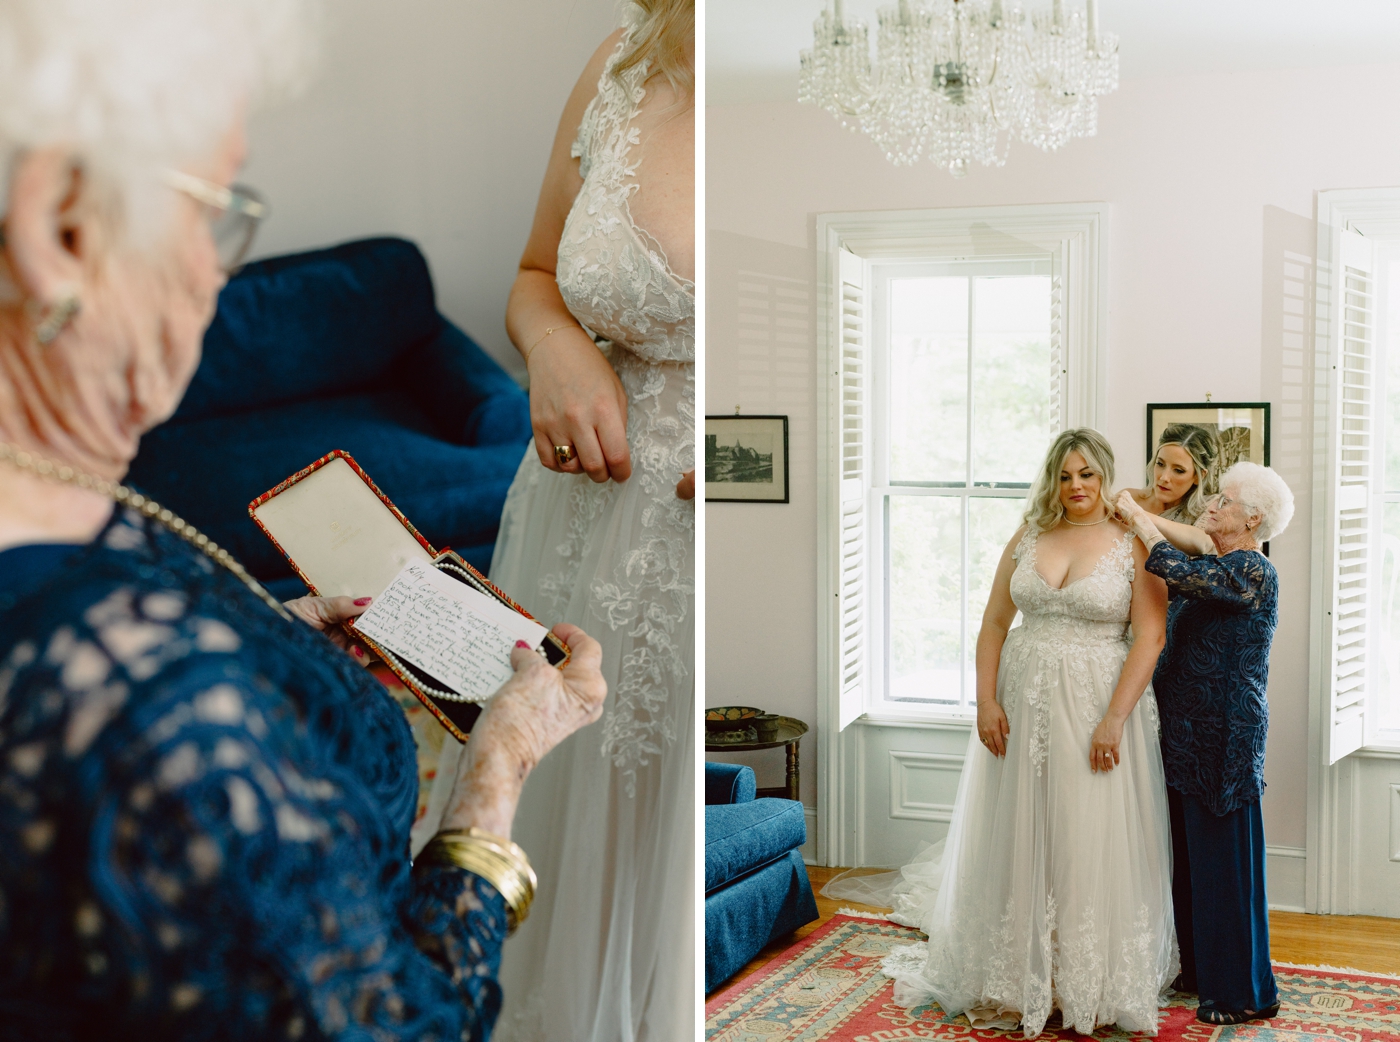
<point>234,214</point>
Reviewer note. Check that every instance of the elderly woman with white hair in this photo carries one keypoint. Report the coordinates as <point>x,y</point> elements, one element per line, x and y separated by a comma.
<point>204,802</point>
<point>1212,691</point>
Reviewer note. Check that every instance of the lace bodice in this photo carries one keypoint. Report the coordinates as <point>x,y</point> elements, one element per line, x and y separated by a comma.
<point>1096,604</point>
<point>614,277</point>
<point>1080,629</point>
<point>617,282</point>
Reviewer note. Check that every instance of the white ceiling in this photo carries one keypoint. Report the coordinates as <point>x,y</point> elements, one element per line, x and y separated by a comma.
<point>751,46</point>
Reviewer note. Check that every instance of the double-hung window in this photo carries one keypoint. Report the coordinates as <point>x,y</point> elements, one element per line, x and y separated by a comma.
<point>965,397</point>
<point>956,343</point>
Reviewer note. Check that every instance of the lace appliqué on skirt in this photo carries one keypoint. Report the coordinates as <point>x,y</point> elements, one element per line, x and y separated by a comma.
<point>1056,890</point>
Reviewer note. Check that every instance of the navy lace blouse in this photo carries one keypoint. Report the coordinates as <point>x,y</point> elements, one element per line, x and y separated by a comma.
<point>1212,678</point>
<point>204,816</point>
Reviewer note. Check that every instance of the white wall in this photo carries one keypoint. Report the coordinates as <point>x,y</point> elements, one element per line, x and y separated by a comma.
<point>430,119</point>
<point>1211,179</point>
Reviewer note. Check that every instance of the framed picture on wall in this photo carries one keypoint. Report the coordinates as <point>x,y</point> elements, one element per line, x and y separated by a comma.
<point>1242,427</point>
<point>746,459</point>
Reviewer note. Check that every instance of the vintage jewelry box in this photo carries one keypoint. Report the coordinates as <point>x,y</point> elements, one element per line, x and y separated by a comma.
<point>343,536</point>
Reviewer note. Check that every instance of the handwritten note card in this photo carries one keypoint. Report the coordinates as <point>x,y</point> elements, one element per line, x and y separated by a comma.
<point>448,630</point>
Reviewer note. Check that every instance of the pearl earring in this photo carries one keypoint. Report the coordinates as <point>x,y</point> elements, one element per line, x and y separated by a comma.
<point>56,317</point>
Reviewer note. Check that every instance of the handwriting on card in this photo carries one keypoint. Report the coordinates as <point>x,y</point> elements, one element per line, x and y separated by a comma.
<point>447,629</point>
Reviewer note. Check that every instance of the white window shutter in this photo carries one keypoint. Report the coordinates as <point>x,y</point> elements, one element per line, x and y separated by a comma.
<point>853,655</point>
<point>1353,472</point>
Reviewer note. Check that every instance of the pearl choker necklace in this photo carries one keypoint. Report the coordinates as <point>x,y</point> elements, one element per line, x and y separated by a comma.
<point>1087,524</point>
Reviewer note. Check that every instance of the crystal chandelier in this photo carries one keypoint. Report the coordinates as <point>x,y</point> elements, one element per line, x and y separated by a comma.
<point>959,78</point>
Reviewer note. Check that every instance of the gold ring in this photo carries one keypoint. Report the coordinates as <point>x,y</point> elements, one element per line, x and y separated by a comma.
<point>564,454</point>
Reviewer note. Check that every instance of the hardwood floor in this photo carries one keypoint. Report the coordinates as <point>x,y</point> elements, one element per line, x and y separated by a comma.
<point>1361,942</point>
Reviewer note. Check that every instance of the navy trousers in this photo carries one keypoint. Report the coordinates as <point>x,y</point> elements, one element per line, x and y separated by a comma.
<point>1222,910</point>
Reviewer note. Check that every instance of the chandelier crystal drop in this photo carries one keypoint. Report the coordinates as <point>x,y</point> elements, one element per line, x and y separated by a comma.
<point>957,79</point>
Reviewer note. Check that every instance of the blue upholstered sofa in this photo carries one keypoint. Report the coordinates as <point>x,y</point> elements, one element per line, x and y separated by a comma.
<point>756,887</point>
<point>341,348</point>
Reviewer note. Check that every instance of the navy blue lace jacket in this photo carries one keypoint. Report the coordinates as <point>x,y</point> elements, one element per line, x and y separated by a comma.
<point>204,817</point>
<point>1212,678</point>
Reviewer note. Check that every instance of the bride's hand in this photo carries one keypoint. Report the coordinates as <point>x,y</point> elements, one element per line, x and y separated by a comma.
<point>992,727</point>
<point>1103,747</point>
<point>685,488</point>
<point>576,399</point>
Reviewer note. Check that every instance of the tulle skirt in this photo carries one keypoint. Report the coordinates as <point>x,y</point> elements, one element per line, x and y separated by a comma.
<point>607,818</point>
<point>1054,890</point>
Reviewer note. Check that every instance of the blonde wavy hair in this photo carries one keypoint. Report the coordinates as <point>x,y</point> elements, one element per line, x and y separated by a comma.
<point>1204,449</point>
<point>1043,507</point>
<point>661,36</point>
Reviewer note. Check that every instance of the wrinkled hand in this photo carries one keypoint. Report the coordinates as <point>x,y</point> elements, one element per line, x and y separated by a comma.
<point>992,727</point>
<point>1103,747</point>
<point>685,488</point>
<point>1126,508</point>
<point>536,709</point>
<point>576,399</point>
<point>540,706</point>
<point>325,615</point>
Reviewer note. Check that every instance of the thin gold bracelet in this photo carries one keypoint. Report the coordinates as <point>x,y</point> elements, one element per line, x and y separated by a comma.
<point>549,331</point>
<point>495,859</point>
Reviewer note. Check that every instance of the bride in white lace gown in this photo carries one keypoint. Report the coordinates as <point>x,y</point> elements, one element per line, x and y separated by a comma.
<point>1056,881</point>
<point>601,533</point>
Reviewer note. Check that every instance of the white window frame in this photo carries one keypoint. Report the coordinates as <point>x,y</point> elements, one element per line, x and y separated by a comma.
<point>1073,237</point>
<point>1335,744</point>
<point>1387,253</point>
<point>1343,215</point>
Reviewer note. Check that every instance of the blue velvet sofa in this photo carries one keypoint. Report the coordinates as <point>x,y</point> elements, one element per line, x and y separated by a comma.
<point>341,348</point>
<point>756,886</point>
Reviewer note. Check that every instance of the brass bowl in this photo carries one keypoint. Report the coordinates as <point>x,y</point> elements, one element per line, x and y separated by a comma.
<point>730,718</point>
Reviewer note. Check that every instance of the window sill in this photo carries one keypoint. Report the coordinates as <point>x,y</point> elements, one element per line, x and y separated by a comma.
<point>1384,747</point>
<point>937,720</point>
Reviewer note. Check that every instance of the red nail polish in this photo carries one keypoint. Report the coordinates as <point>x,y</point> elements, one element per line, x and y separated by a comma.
<point>360,602</point>
<point>358,652</point>
<point>522,644</point>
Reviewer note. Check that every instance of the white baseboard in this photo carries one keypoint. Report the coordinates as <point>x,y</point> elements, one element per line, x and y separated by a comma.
<point>1286,868</point>
<point>809,849</point>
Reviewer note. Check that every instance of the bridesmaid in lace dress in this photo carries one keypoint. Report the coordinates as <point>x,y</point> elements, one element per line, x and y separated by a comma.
<point>597,527</point>
<point>1056,888</point>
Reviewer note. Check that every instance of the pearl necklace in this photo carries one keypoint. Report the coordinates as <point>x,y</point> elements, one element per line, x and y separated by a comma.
<point>149,507</point>
<point>1086,524</point>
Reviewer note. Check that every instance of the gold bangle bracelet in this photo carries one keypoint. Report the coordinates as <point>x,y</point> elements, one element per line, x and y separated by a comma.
<point>498,861</point>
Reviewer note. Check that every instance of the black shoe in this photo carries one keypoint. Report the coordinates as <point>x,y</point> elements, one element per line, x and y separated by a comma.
<point>1184,985</point>
<point>1208,1014</point>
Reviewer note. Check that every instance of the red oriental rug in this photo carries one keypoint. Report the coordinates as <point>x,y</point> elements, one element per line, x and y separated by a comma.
<point>829,988</point>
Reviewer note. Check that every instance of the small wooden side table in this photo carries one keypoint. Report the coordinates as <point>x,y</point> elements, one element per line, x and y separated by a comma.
<point>790,732</point>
